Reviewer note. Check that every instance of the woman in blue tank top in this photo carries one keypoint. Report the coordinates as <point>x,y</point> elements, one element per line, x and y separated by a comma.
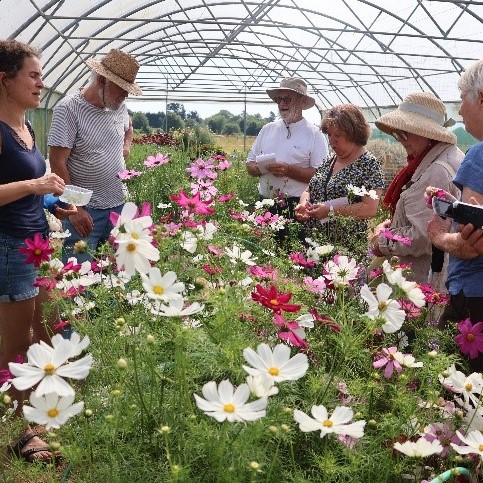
<point>23,184</point>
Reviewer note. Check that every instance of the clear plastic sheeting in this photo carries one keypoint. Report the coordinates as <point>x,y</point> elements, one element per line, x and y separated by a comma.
<point>369,53</point>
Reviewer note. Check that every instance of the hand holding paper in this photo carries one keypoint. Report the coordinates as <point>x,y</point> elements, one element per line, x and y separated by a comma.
<point>263,160</point>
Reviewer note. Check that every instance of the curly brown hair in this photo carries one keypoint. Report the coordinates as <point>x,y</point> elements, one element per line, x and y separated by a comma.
<point>350,119</point>
<point>12,56</point>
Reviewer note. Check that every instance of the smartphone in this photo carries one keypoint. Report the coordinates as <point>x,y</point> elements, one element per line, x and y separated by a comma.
<point>460,212</point>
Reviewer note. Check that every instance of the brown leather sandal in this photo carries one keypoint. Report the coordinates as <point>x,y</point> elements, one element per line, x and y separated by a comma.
<point>27,455</point>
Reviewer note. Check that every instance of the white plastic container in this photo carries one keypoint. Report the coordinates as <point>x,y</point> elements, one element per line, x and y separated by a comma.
<point>75,195</point>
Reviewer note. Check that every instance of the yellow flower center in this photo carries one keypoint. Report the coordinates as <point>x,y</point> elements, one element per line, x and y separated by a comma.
<point>470,337</point>
<point>135,236</point>
<point>52,413</point>
<point>158,290</point>
<point>229,408</point>
<point>480,447</point>
<point>274,371</point>
<point>131,247</point>
<point>49,369</point>
<point>37,251</point>
<point>382,306</point>
<point>327,423</point>
<point>469,387</point>
<point>274,302</point>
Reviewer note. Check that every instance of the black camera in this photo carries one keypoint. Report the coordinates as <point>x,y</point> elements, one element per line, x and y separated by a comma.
<point>460,212</point>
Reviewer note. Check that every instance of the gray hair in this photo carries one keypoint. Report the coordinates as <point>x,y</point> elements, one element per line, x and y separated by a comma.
<point>471,81</point>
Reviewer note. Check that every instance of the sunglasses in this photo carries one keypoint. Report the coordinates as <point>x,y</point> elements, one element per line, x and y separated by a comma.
<point>400,136</point>
<point>286,99</point>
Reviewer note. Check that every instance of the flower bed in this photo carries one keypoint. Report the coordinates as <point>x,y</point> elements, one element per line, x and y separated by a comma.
<point>202,351</point>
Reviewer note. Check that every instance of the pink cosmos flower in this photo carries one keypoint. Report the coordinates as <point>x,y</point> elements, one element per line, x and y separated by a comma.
<point>202,169</point>
<point>156,160</point>
<point>387,359</point>
<point>412,311</point>
<point>431,296</point>
<point>172,228</point>
<point>300,259</point>
<point>214,250</point>
<point>324,320</point>
<point>5,374</point>
<point>206,190</point>
<point>470,338</point>
<point>193,204</point>
<point>290,331</point>
<point>145,211</point>
<point>314,285</point>
<point>439,193</point>
<point>274,300</point>
<point>237,216</point>
<point>263,272</point>
<point>224,165</point>
<point>126,174</point>
<point>61,324</point>
<point>444,434</point>
<point>395,237</point>
<point>266,219</point>
<point>226,197</point>
<point>37,250</point>
<point>212,270</point>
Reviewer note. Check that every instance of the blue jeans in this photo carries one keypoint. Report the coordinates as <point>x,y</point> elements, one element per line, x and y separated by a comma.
<point>16,276</point>
<point>99,234</point>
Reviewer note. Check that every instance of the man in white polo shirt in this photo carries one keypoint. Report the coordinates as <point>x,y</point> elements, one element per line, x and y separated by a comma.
<point>89,138</point>
<point>299,147</point>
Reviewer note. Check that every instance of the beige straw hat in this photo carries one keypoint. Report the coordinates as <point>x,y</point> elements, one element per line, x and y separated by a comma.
<point>296,85</point>
<point>120,68</point>
<point>420,113</point>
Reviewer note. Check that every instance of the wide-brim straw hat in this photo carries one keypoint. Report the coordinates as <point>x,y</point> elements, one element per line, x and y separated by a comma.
<point>120,68</point>
<point>296,85</point>
<point>420,113</point>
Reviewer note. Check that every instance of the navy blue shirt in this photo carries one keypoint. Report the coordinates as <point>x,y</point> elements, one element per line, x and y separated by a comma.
<point>24,217</point>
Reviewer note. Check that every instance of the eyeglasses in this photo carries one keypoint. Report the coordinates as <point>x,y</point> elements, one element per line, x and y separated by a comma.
<point>286,99</point>
<point>400,136</point>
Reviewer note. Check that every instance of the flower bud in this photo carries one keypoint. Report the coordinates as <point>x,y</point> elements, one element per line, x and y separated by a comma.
<point>88,413</point>
<point>55,445</point>
<point>116,392</point>
<point>285,428</point>
<point>122,364</point>
<point>80,246</point>
<point>7,399</point>
<point>273,429</point>
<point>432,354</point>
<point>254,465</point>
<point>150,339</point>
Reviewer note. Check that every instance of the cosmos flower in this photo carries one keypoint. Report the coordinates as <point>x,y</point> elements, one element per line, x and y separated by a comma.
<point>384,307</point>
<point>387,359</point>
<point>290,331</point>
<point>175,308</point>
<point>420,448</point>
<point>473,442</point>
<point>389,235</point>
<point>226,403</point>
<point>341,270</point>
<point>277,363</point>
<point>156,160</point>
<point>51,410</point>
<point>338,422</point>
<point>37,250</point>
<point>273,300</point>
<point>470,338</point>
<point>135,255</point>
<point>47,367</point>
<point>162,287</point>
<point>262,385</point>
<point>193,204</point>
<point>237,254</point>
<point>126,174</point>
<point>444,434</point>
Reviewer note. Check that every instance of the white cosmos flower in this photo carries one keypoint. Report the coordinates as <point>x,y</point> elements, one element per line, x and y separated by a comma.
<point>175,308</point>
<point>189,242</point>
<point>338,423</point>
<point>5,387</point>
<point>262,385</point>
<point>127,215</point>
<point>384,307</point>
<point>341,270</point>
<point>264,203</point>
<point>277,363</point>
<point>306,320</point>
<point>469,387</point>
<point>134,297</point>
<point>413,293</point>
<point>225,403</point>
<point>206,232</point>
<point>394,275</point>
<point>77,346</point>
<point>47,367</point>
<point>406,360</point>
<point>236,254</point>
<point>135,255</point>
<point>420,448</point>
<point>51,410</point>
<point>473,442</point>
<point>162,287</point>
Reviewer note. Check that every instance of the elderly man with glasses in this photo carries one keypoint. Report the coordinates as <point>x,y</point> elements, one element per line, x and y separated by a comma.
<point>287,152</point>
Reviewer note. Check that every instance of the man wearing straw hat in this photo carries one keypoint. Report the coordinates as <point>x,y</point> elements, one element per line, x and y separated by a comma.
<point>89,138</point>
<point>287,152</point>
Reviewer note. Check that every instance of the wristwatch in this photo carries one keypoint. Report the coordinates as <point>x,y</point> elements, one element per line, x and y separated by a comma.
<point>331,210</point>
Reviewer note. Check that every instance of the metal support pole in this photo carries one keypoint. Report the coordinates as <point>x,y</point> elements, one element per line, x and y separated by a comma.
<point>245,122</point>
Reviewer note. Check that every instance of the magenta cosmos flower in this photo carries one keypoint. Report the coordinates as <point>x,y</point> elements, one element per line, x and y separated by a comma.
<point>387,359</point>
<point>37,250</point>
<point>194,204</point>
<point>273,300</point>
<point>470,338</point>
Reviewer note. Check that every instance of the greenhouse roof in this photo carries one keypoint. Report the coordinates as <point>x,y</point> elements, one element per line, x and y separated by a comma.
<point>365,52</point>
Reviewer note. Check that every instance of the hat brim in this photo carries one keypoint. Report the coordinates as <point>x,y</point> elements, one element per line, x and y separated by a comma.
<point>309,101</point>
<point>414,123</point>
<point>97,66</point>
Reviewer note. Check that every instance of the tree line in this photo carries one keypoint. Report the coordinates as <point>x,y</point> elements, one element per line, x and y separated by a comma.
<point>224,122</point>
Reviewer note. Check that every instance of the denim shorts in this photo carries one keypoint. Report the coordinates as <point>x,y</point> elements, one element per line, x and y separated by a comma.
<point>16,276</point>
